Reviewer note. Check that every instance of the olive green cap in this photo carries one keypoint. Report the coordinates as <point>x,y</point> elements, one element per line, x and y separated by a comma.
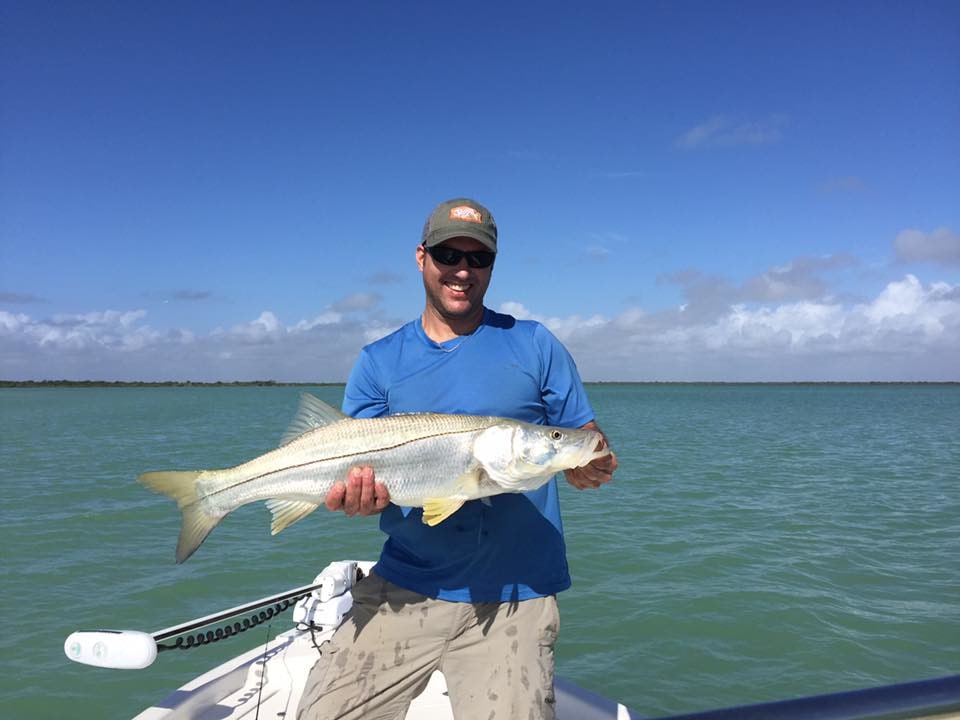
<point>460,217</point>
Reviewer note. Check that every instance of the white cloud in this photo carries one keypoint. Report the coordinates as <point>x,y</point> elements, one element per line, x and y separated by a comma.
<point>109,329</point>
<point>797,280</point>
<point>843,184</point>
<point>325,318</point>
<point>563,328</point>
<point>619,174</point>
<point>15,298</point>
<point>357,301</point>
<point>726,130</point>
<point>265,328</point>
<point>192,295</point>
<point>596,253</point>
<point>910,307</point>
<point>800,279</point>
<point>114,345</point>
<point>908,331</point>
<point>940,246</point>
<point>10,323</point>
<point>386,278</point>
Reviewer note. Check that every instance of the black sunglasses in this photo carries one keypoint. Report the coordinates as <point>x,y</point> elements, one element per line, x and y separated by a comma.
<point>452,256</point>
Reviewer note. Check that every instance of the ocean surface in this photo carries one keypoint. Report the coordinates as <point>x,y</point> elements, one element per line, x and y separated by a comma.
<point>759,542</point>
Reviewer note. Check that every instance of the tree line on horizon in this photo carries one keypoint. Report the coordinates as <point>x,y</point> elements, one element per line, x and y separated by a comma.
<point>151,383</point>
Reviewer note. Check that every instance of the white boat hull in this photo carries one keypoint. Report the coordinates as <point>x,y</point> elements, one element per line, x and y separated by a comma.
<point>267,682</point>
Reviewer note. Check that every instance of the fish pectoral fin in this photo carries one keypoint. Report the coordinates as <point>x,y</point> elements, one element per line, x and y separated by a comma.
<point>286,512</point>
<point>436,510</point>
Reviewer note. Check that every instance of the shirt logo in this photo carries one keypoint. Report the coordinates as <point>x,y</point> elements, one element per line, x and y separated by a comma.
<point>465,213</point>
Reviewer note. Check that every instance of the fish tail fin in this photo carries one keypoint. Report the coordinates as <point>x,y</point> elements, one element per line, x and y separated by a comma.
<point>182,487</point>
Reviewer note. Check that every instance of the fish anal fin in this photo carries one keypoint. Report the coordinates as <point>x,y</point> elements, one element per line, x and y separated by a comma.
<point>286,512</point>
<point>436,510</point>
<point>311,414</point>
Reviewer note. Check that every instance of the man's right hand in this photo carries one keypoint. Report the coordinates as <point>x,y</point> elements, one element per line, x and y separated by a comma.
<point>361,494</point>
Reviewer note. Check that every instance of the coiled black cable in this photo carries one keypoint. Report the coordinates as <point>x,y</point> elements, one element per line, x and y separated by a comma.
<point>205,637</point>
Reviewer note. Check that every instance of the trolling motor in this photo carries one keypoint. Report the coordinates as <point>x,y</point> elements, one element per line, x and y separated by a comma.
<point>320,605</point>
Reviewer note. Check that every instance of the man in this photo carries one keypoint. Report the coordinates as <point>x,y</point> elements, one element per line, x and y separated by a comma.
<point>474,596</point>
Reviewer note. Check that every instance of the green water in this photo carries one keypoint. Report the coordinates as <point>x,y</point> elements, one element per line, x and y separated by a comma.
<point>758,543</point>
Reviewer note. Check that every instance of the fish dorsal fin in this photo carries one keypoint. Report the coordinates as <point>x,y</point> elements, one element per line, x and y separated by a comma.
<point>287,512</point>
<point>466,487</point>
<point>312,413</point>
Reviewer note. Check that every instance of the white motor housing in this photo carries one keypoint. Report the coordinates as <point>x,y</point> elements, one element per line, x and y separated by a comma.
<point>325,607</point>
<point>118,649</point>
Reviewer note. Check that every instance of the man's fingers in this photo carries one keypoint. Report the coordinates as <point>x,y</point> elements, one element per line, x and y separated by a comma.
<point>592,476</point>
<point>381,496</point>
<point>351,501</point>
<point>366,491</point>
<point>360,494</point>
<point>335,497</point>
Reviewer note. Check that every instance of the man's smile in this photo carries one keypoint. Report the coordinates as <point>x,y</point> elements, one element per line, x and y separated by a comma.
<point>459,287</point>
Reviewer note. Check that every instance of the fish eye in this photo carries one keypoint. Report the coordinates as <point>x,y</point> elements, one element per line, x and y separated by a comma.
<point>556,435</point>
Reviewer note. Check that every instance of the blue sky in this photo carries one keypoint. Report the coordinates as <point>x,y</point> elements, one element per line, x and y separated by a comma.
<point>685,190</point>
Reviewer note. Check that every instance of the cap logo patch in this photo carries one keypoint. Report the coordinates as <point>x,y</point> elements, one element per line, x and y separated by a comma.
<point>465,213</point>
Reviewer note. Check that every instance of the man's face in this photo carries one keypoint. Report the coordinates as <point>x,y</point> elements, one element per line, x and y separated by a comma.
<point>454,291</point>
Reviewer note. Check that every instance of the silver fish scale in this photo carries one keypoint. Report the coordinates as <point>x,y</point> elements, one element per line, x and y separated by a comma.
<point>417,456</point>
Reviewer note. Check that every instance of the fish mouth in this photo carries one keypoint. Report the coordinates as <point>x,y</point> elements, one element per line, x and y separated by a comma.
<point>588,450</point>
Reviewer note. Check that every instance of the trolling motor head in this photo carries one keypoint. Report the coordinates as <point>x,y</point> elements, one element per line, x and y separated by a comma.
<point>117,649</point>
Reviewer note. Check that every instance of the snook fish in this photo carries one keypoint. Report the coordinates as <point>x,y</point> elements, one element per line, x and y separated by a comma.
<point>428,460</point>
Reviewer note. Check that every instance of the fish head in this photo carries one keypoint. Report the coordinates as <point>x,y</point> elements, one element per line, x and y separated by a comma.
<point>522,456</point>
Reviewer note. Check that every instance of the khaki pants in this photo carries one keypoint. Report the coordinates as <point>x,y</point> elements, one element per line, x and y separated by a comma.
<point>497,658</point>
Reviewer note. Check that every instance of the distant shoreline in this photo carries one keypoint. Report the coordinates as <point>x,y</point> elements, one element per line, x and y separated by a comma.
<point>152,383</point>
<point>275,383</point>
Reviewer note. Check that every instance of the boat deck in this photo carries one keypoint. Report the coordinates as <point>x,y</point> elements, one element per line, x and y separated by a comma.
<point>268,683</point>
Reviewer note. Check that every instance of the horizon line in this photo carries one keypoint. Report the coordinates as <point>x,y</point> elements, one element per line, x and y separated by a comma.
<point>277,383</point>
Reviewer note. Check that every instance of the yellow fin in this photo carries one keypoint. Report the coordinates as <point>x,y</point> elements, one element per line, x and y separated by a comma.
<point>182,487</point>
<point>287,512</point>
<point>465,487</point>
<point>436,510</point>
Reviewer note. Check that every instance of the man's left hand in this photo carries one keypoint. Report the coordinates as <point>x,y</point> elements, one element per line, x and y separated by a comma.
<point>596,473</point>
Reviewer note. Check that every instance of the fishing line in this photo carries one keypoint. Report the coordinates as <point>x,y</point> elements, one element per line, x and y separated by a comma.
<point>263,673</point>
